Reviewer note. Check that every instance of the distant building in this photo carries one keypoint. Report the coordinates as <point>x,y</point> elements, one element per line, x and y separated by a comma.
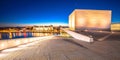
<point>43,28</point>
<point>81,19</point>
<point>115,27</point>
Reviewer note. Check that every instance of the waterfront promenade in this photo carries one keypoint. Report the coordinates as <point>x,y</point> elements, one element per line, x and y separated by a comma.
<point>62,48</point>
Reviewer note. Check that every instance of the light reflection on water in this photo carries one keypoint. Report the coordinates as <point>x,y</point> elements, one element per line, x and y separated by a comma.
<point>14,35</point>
<point>22,35</point>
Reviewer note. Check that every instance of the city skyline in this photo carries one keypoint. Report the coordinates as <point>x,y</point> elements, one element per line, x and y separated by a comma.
<point>37,24</point>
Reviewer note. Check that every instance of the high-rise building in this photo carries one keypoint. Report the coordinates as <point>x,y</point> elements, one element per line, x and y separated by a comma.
<point>90,19</point>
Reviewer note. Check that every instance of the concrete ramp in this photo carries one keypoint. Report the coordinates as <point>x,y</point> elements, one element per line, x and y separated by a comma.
<point>79,36</point>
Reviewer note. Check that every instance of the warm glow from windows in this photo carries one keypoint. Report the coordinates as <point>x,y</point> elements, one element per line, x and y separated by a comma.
<point>115,27</point>
<point>96,19</point>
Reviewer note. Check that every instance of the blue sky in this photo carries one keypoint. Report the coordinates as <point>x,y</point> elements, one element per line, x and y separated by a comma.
<point>51,11</point>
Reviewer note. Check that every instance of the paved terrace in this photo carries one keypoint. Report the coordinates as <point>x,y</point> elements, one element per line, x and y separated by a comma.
<point>102,35</point>
<point>61,48</point>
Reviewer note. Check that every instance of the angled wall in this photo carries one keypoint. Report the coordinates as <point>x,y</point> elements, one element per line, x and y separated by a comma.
<point>72,21</point>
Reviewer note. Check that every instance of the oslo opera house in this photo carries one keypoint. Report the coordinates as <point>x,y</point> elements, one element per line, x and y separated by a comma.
<point>81,19</point>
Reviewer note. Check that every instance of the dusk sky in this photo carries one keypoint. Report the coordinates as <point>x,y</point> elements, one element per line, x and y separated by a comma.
<point>51,11</point>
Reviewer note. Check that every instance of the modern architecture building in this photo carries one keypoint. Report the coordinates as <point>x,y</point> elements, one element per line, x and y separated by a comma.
<point>81,19</point>
<point>115,27</point>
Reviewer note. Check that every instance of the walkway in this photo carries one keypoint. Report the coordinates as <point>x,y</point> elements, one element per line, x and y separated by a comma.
<point>59,48</point>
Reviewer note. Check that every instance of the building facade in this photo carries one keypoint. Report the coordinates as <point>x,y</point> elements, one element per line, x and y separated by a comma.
<point>81,19</point>
<point>115,27</point>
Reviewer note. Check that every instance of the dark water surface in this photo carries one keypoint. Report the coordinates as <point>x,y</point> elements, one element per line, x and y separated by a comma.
<point>21,35</point>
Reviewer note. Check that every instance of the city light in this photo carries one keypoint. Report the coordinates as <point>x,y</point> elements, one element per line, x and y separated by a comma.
<point>115,27</point>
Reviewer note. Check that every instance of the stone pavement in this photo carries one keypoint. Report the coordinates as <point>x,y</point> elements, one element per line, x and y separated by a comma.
<point>60,48</point>
<point>107,49</point>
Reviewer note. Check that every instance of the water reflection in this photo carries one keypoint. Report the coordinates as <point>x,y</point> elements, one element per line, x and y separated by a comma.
<point>14,35</point>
